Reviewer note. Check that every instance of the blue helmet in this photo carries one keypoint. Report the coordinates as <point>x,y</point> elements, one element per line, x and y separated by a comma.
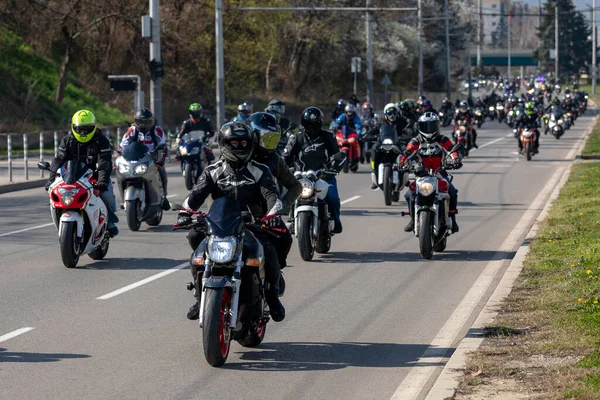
<point>341,103</point>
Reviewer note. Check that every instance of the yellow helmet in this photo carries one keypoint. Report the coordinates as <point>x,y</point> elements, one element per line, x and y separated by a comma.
<point>83,126</point>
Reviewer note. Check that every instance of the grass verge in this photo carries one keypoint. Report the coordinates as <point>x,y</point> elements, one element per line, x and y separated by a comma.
<point>545,340</point>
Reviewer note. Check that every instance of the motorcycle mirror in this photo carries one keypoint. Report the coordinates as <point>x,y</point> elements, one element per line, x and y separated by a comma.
<point>44,165</point>
<point>176,207</point>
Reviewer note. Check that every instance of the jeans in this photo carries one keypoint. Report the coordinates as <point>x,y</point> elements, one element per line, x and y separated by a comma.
<point>333,198</point>
<point>409,196</point>
<point>108,197</point>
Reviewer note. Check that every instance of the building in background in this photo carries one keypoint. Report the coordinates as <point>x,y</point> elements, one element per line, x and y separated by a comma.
<point>495,17</point>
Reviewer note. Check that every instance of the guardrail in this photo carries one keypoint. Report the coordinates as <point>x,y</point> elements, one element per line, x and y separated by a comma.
<point>43,138</point>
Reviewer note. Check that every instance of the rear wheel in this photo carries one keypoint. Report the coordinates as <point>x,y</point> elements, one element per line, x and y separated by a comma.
<point>425,235</point>
<point>305,242</point>
<point>69,246</point>
<point>155,221</point>
<point>387,185</point>
<point>346,166</point>
<point>134,214</point>
<point>440,245</point>
<point>528,150</point>
<point>188,173</point>
<point>216,332</point>
<point>101,251</point>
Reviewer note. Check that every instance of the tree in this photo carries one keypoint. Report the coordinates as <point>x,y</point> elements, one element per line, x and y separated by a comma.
<point>573,43</point>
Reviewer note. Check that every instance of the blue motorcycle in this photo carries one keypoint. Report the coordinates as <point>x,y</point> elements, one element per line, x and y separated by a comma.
<point>190,152</point>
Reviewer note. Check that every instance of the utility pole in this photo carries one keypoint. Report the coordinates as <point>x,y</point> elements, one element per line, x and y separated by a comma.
<point>219,61</point>
<point>370,94</point>
<point>539,26</point>
<point>594,47</point>
<point>446,23</point>
<point>156,83</point>
<point>556,43</point>
<point>420,41</point>
<point>509,45</point>
<point>479,34</point>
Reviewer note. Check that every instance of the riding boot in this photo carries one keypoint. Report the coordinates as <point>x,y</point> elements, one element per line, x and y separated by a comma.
<point>411,224</point>
<point>272,297</point>
<point>163,177</point>
<point>374,181</point>
<point>454,224</point>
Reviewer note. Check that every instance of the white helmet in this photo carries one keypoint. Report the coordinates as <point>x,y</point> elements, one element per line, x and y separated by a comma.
<point>350,109</point>
<point>391,112</point>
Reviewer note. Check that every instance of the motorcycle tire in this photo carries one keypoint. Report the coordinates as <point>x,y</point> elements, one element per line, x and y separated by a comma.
<point>69,251</point>
<point>304,229</point>
<point>528,150</point>
<point>155,221</point>
<point>134,215</point>
<point>346,166</point>
<point>440,245</point>
<point>426,235</point>
<point>323,244</point>
<point>354,166</point>
<point>188,174</point>
<point>102,250</point>
<point>216,332</point>
<point>254,337</point>
<point>387,185</point>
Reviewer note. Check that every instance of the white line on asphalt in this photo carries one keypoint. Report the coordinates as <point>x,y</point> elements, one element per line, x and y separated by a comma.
<point>350,199</point>
<point>13,334</point>
<point>492,142</point>
<point>171,195</point>
<point>414,383</point>
<point>501,165</point>
<point>26,229</point>
<point>142,282</point>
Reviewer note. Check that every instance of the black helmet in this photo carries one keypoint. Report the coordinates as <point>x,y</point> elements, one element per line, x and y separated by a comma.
<point>144,120</point>
<point>236,143</point>
<point>276,106</point>
<point>266,130</point>
<point>429,126</point>
<point>312,120</point>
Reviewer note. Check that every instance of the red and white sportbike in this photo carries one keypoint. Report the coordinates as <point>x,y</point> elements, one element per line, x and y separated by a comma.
<point>78,213</point>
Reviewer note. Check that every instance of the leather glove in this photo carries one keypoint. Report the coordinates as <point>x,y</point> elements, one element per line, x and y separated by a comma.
<point>457,164</point>
<point>48,184</point>
<point>274,222</point>
<point>102,186</point>
<point>184,219</point>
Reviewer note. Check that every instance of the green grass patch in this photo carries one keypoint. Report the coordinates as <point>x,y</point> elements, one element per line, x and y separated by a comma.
<point>28,89</point>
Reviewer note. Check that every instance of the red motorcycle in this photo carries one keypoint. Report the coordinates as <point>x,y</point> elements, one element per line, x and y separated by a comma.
<point>462,133</point>
<point>348,141</point>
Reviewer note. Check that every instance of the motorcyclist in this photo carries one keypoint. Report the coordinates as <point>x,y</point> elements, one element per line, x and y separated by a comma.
<point>313,149</point>
<point>197,122</point>
<point>368,121</point>
<point>338,110</point>
<point>251,183</point>
<point>87,144</point>
<point>250,105</point>
<point>266,135</point>
<point>354,100</point>
<point>530,119</point>
<point>276,108</point>
<point>243,113</point>
<point>350,119</point>
<point>463,112</point>
<point>427,107</point>
<point>446,105</point>
<point>429,132</point>
<point>152,136</point>
<point>391,117</point>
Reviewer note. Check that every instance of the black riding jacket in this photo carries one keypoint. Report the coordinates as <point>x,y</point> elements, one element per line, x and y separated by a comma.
<point>250,185</point>
<point>96,154</point>
<point>307,153</point>
<point>527,120</point>
<point>281,173</point>
<point>202,124</point>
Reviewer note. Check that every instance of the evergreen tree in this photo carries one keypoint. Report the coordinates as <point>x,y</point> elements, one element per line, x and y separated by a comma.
<point>574,50</point>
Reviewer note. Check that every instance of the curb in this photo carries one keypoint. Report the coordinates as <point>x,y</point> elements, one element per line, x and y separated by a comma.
<point>13,187</point>
<point>445,385</point>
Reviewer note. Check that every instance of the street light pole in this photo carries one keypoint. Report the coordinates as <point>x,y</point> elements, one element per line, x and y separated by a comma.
<point>479,27</point>
<point>219,61</point>
<point>556,43</point>
<point>155,84</point>
<point>420,42</point>
<point>594,47</point>
<point>509,46</point>
<point>370,94</point>
<point>446,23</point>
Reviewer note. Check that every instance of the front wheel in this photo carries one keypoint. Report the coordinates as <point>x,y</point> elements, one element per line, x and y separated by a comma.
<point>134,214</point>
<point>528,150</point>
<point>387,185</point>
<point>323,244</point>
<point>69,245</point>
<point>188,174</point>
<point>216,332</point>
<point>346,166</point>
<point>426,235</point>
<point>305,241</point>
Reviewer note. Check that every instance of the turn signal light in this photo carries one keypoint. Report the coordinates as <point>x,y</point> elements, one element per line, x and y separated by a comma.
<point>197,261</point>
<point>253,262</point>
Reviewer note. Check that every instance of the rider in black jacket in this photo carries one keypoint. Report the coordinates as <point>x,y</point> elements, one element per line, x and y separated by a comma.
<point>251,183</point>
<point>314,148</point>
<point>197,122</point>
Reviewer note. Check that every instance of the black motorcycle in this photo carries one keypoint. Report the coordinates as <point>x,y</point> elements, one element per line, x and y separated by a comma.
<point>389,177</point>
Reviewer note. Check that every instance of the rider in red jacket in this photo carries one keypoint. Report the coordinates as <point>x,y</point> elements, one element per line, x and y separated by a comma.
<point>429,134</point>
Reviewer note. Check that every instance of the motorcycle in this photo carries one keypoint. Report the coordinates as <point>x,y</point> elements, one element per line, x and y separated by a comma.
<point>78,213</point>
<point>554,123</point>
<point>193,159</point>
<point>500,111</point>
<point>390,178</point>
<point>140,185</point>
<point>527,137</point>
<point>349,144</point>
<point>433,223</point>
<point>230,278</point>
<point>491,113</point>
<point>462,134</point>
<point>312,223</point>
<point>445,117</point>
<point>478,119</point>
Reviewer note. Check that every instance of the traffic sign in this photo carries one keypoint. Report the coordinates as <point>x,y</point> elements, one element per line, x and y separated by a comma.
<point>355,65</point>
<point>386,80</point>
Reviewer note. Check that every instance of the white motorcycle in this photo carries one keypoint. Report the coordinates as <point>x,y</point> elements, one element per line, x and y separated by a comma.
<point>78,213</point>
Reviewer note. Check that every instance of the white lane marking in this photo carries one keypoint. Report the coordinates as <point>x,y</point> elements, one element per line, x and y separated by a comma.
<point>414,383</point>
<point>350,199</point>
<point>27,229</point>
<point>142,282</point>
<point>501,165</point>
<point>13,334</point>
<point>171,195</point>
<point>492,142</point>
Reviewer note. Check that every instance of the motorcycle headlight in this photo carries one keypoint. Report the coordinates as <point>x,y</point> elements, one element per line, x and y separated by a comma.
<point>527,133</point>
<point>586,96</point>
<point>463,128</point>
<point>491,108</point>
<point>441,114</point>
<point>387,144</point>
<point>499,108</point>
<point>425,188</point>
<point>183,150</point>
<point>560,121</point>
<point>222,250</point>
<point>140,169</point>
<point>511,112</point>
<point>308,189</point>
<point>124,168</point>
<point>195,151</point>
<point>67,195</point>
<point>478,113</point>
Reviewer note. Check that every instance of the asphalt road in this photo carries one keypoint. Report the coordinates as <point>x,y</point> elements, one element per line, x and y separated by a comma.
<point>358,319</point>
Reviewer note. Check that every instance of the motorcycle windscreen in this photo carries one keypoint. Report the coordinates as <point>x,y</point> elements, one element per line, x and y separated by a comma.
<point>193,136</point>
<point>72,171</point>
<point>134,152</point>
<point>388,132</point>
<point>225,217</point>
<point>346,131</point>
